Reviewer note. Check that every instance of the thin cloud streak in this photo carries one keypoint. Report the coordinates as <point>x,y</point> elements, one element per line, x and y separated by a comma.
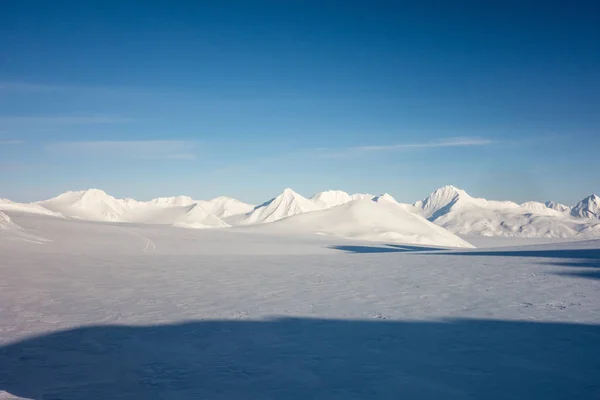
<point>131,149</point>
<point>7,142</point>
<point>451,142</point>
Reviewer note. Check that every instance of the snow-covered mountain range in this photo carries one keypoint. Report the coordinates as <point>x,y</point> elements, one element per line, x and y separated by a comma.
<point>435,220</point>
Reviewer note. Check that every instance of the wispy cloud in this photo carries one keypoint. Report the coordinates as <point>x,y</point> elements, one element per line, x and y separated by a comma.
<point>7,142</point>
<point>131,149</point>
<point>63,119</point>
<point>450,142</point>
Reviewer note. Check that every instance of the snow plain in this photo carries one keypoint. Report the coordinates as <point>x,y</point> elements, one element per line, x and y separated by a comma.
<point>106,310</point>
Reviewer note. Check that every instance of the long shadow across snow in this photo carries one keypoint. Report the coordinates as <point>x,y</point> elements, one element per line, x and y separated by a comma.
<point>388,248</point>
<point>297,358</point>
<point>578,258</point>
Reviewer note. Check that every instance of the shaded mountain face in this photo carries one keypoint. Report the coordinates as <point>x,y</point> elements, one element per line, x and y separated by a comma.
<point>557,206</point>
<point>287,204</point>
<point>463,214</point>
<point>587,208</point>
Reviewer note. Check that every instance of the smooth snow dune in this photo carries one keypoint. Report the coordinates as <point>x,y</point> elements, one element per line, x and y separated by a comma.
<point>33,208</point>
<point>288,203</point>
<point>10,230</point>
<point>224,207</point>
<point>372,221</point>
<point>196,217</point>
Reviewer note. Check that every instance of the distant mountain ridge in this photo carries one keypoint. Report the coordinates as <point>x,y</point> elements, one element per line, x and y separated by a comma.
<point>448,207</point>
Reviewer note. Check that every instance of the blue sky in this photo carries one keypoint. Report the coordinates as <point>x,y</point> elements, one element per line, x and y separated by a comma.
<point>245,98</point>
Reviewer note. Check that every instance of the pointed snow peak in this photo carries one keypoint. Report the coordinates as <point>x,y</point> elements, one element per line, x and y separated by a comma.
<point>587,208</point>
<point>288,203</point>
<point>289,192</point>
<point>557,206</point>
<point>449,190</point>
<point>384,197</point>
<point>441,200</point>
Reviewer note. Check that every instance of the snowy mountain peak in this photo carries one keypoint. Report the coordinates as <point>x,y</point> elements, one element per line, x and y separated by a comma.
<point>384,197</point>
<point>557,206</point>
<point>288,203</point>
<point>224,206</point>
<point>441,200</point>
<point>331,198</point>
<point>587,208</point>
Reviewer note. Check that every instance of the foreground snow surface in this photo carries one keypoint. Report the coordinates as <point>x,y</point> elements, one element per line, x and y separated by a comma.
<point>125,311</point>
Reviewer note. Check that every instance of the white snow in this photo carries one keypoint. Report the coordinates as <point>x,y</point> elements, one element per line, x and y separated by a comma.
<point>587,208</point>
<point>448,207</point>
<point>224,207</point>
<point>331,198</point>
<point>286,204</point>
<point>138,311</point>
<point>372,221</point>
<point>455,210</point>
<point>198,218</point>
<point>7,205</point>
<point>173,201</point>
<point>558,207</point>
<point>91,204</point>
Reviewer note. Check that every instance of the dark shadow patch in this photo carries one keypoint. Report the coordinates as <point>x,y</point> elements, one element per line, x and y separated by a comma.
<point>588,254</point>
<point>388,248</point>
<point>416,248</point>
<point>582,274</point>
<point>298,358</point>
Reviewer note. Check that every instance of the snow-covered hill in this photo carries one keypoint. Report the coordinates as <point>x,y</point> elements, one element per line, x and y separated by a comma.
<point>7,205</point>
<point>448,207</point>
<point>371,220</point>
<point>331,198</point>
<point>172,201</point>
<point>91,204</point>
<point>285,205</point>
<point>557,206</point>
<point>587,208</point>
<point>457,211</point>
<point>224,206</point>
<point>198,218</point>
<point>97,205</point>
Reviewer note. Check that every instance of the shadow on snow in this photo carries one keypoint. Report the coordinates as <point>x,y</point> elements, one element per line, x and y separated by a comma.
<point>578,258</point>
<point>308,358</point>
<point>388,248</point>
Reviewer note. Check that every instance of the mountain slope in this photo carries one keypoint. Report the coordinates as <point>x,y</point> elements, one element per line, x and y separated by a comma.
<point>557,206</point>
<point>198,218</point>
<point>460,213</point>
<point>91,204</point>
<point>33,208</point>
<point>370,220</point>
<point>587,208</point>
<point>331,198</point>
<point>285,205</point>
<point>224,207</point>
<point>172,201</point>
